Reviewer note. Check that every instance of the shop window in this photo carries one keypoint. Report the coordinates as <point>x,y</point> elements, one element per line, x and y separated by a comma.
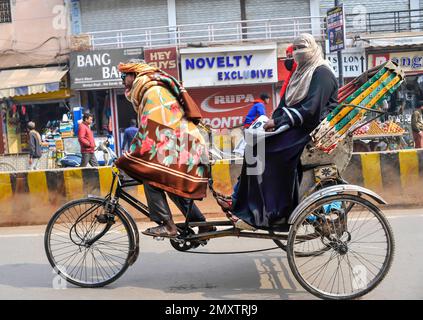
<point>5,11</point>
<point>393,130</point>
<point>97,102</point>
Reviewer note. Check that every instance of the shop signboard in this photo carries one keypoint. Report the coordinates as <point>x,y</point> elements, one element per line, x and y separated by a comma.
<point>98,69</point>
<point>226,107</point>
<point>336,28</point>
<point>353,62</point>
<point>165,59</point>
<point>230,65</point>
<point>411,61</point>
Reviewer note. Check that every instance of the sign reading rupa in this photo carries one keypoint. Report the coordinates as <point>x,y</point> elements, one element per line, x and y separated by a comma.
<point>165,59</point>
<point>226,107</point>
<point>220,66</point>
<point>98,69</point>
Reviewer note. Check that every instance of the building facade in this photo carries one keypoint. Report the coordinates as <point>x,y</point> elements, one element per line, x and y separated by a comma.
<point>33,70</point>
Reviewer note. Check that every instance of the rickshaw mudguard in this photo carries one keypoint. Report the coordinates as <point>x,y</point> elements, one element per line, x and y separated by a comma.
<point>331,191</point>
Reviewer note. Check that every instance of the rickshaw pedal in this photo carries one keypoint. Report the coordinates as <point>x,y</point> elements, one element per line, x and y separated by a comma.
<point>158,238</point>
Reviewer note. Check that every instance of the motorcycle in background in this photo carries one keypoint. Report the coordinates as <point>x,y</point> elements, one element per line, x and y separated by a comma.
<point>71,160</point>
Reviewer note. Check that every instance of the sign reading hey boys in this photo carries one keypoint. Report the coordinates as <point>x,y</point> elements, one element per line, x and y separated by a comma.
<point>220,66</point>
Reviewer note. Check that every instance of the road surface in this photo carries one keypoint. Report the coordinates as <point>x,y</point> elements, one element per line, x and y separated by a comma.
<point>163,273</point>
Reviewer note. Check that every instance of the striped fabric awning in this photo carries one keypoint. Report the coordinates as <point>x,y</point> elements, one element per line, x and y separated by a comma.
<point>19,82</point>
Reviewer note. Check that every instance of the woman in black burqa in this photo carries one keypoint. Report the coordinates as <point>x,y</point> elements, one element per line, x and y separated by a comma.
<point>267,199</point>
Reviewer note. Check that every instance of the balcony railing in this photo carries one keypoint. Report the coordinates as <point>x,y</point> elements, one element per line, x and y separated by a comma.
<point>209,33</point>
<point>281,29</point>
<point>387,21</point>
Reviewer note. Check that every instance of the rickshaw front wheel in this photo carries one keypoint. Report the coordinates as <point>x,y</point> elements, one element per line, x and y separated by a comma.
<point>359,247</point>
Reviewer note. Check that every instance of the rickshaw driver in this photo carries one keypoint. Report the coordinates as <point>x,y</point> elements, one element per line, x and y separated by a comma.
<point>156,197</point>
<point>267,200</point>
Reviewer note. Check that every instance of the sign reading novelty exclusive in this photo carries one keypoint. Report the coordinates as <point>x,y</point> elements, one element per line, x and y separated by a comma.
<point>220,66</point>
<point>99,69</point>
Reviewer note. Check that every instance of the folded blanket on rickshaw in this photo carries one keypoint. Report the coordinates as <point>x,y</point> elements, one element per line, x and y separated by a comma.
<point>368,90</point>
<point>169,151</point>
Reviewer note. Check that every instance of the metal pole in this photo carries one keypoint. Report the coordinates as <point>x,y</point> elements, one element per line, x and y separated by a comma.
<point>340,67</point>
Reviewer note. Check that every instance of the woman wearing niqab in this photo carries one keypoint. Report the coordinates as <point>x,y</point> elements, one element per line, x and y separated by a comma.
<point>266,200</point>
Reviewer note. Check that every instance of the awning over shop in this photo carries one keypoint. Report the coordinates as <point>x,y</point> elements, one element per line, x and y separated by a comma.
<point>19,82</point>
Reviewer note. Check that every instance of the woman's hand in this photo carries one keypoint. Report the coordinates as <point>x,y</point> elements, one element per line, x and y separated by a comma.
<point>269,125</point>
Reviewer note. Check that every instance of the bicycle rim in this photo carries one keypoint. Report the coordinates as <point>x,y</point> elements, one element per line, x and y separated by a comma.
<point>66,243</point>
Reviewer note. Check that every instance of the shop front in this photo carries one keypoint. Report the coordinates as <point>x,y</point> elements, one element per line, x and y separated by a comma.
<point>226,107</point>
<point>225,82</point>
<point>40,95</point>
<point>393,131</point>
<point>98,90</point>
<point>353,63</point>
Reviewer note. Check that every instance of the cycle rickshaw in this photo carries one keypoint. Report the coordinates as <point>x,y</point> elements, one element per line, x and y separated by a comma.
<point>339,244</point>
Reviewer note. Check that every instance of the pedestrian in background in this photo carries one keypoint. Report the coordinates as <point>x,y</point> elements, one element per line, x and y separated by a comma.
<point>291,66</point>
<point>129,134</point>
<point>258,109</point>
<point>86,141</point>
<point>35,152</point>
<point>417,127</point>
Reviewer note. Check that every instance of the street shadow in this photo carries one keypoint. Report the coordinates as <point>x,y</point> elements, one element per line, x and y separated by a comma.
<point>237,276</point>
<point>181,275</point>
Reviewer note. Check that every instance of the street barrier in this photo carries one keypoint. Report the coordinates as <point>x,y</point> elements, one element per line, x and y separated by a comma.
<point>31,197</point>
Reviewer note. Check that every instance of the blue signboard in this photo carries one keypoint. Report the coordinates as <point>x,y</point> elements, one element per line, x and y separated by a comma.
<point>335,20</point>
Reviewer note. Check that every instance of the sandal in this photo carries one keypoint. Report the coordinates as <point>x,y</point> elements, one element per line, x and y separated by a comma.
<point>159,231</point>
<point>225,204</point>
<point>204,229</point>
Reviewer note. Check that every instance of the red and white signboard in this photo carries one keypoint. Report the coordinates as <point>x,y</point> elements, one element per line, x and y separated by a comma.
<point>165,59</point>
<point>226,107</point>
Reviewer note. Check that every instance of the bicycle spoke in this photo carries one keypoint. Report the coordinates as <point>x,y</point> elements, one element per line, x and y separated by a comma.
<point>77,258</point>
<point>350,232</point>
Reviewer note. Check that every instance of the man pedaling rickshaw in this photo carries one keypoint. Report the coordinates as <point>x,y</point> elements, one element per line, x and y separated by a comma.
<point>166,116</point>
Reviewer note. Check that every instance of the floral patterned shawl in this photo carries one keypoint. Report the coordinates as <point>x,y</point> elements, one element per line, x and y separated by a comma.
<point>168,151</point>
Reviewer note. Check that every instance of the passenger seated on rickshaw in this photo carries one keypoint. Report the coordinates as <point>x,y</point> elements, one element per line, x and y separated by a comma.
<point>266,200</point>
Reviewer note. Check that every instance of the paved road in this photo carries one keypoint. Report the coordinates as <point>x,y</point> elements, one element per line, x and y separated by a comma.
<point>163,273</point>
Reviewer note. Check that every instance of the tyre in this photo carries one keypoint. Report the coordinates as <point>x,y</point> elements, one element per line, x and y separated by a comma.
<point>6,167</point>
<point>87,245</point>
<point>358,247</point>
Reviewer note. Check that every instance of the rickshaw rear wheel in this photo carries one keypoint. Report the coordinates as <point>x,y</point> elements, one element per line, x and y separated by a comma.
<point>88,245</point>
<point>360,248</point>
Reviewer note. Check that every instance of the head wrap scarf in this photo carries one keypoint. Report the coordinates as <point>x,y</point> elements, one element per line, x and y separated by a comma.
<point>288,51</point>
<point>308,59</point>
<point>147,76</point>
